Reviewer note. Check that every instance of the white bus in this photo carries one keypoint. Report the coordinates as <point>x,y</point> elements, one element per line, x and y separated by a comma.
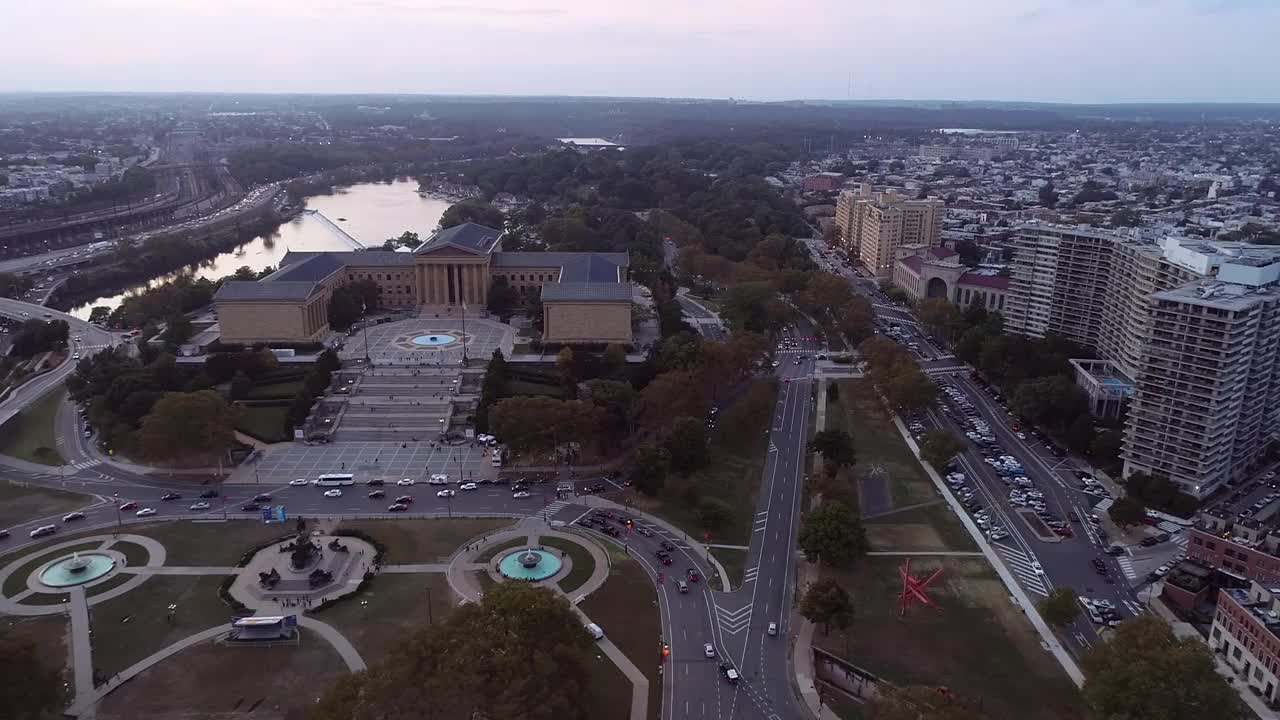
<point>335,479</point>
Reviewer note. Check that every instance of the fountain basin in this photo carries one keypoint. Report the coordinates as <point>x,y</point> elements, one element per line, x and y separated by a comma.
<point>76,570</point>
<point>434,340</point>
<point>529,565</point>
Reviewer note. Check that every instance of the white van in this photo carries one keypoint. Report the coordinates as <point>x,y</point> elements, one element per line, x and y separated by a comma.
<point>594,631</point>
<point>44,530</point>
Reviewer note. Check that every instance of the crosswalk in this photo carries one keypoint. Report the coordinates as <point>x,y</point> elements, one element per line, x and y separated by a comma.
<point>1020,563</point>
<point>86,464</point>
<point>1180,540</point>
<point>553,508</point>
<point>733,621</point>
<point>762,521</point>
<point>1126,566</point>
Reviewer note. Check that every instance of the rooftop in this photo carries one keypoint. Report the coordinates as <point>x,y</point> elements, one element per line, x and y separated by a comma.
<point>592,291</point>
<point>467,236</point>
<point>250,290</point>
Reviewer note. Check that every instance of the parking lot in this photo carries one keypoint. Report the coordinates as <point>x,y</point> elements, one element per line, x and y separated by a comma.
<point>388,460</point>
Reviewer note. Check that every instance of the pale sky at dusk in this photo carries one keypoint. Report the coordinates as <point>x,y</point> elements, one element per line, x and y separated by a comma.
<point>1041,50</point>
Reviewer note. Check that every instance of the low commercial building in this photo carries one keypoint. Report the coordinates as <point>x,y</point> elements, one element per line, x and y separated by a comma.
<point>586,296</point>
<point>931,272</point>
<point>1246,635</point>
<point>824,182</point>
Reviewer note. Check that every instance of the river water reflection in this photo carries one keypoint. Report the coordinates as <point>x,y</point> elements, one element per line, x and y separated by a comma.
<point>373,212</point>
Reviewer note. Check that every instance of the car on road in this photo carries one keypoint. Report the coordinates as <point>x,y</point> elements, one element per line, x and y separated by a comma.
<point>667,546</point>
<point>683,586</point>
<point>468,486</point>
<point>250,507</point>
<point>334,493</point>
<point>171,496</point>
<point>1149,542</point>
<point>262,498</point>
<point>199,506</point>
<point>405,481</point>
<point>376,482</point>
<point>521,494</point>
<point>129,506</point>
<point>644,531</point>
<point>709,650</point>
<point>299,481</point>
<point>43,530</point>
<point>209,494</point>
<point>773,628</point>
<point>377,494</point>
<point>729,673</point>
<point>73,516</point>
<point>397,507</point>
<point>1035,565</point>
<point>404,500</point>
<point>447,493</point>
<point>693,575</point>
<point>438,479</point>
<point>146,512</point>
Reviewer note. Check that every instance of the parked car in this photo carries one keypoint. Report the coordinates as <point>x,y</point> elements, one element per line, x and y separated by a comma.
<point>405,481</point>
<point>299,481</point>
<point>468,486</point>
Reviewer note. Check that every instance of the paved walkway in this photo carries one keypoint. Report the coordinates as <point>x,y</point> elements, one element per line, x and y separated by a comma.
<point>82,651</point>
<point>179,570</point>
<point>423,568</point>
<point>904,508</point>
<point>349,654</point>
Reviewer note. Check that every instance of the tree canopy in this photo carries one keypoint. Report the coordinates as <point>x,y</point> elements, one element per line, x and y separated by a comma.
<point>473,211</point>
<point>1145,671</point>
<point>832,535</point>
<point>825,603</point>
<point>836,448</point>
<point>937,447</point>
<point>1060,608</point>
<point>519,653</point>
<point>188,423</point>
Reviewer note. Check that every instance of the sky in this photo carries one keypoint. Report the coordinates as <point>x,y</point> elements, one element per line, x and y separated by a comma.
<point>1081,51</point>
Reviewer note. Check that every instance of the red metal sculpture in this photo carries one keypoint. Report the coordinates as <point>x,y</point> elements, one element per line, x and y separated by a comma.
<point>913,590</point>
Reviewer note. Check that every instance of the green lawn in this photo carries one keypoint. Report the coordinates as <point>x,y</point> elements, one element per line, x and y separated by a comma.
<point>490,552</point>
<point>284,390</point>
<point>212,544</point>
<point>583,564</point>
<point>19,504</point>
<point>30,435</point>
<point>738,449</point>
<point>734,562</point>
<point>626,607</point>
<point>424,541</point>
<point>392,607</point>
<point>49,635</point>
<point>878,443</point>
<point>932,527</point>
<point>134,555</point>
<point>128,628</point>
<point>266,423</point>
<point>610,688</point>
<point>975,642</point>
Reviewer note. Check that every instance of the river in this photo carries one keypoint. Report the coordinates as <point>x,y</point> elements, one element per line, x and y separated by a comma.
<point>373,212</point>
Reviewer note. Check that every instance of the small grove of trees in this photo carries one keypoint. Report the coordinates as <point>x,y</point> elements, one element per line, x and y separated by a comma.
<point>1145,671</point>
<point>196,423</point>
<point>895,373</point>
<point>536,424</point>
<point>649,469</point>
<point>836,448</point>
<point>825,603</point>
<point>352,301</point>
<point>313,386</point>
<point>473,211</point>
<point>938,447</point>
<point>37,336</point>
<point>1127,511</point>
<point>832,535</point>
<point>463,666</point>
<point>1060,608</point>
<point>1160,494</point>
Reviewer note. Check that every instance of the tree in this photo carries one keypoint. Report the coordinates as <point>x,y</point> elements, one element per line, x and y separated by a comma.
<point>832,535</point>
<point>241,385</point>
<point>473,211</point>
<point>29,688</point>
<point>502,297</point>
<point>613,359</point>
<point>825,603</point>
<point>99,315</point>
<point>672,394</point>
<point>686,443</point>
<point>520,652</point>
<point>1145,671</point>
<point>856,319</point>
<point>937,447</point>
<point>908,389</point>
<point>836,449</point>
<point>12,286</point>
<point>1127,511</point>
<point>1048,196</point>
<point>179,424</point>
<point>177,330</point>
<point>344,309</point>
<point>918,702</point>
<point>1060,608</point>
<point>1053,402</point>
<point>1105,449</point>
<point>941,317</point>
<point>714,513</point>
<point>649,471</point>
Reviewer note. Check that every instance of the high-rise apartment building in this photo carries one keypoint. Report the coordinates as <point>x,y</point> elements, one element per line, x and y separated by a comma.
<point>873,225</point>
<point>1194,324</point>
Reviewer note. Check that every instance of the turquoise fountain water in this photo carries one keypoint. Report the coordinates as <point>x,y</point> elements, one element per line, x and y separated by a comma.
<point>434,340</point>
<point>77,570</point>
<point>529,564</point>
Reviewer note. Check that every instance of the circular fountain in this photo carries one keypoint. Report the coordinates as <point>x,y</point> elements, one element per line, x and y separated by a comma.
<point>434,340</point>
<point>529,564</point>
<point>76,570</point>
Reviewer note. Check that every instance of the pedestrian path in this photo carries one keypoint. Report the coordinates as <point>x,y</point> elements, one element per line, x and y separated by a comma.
<point>1180,540</point>
<point>1126,566</point>
<point>1021,565</point>
<point>553,508</point>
